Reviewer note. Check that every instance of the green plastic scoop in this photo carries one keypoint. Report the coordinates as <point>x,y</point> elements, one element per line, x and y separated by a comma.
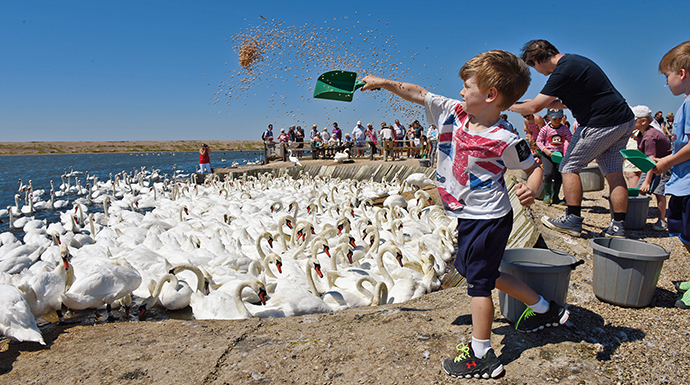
<point>557,157</point>
<point>639,159</point>
<point>337,85</point>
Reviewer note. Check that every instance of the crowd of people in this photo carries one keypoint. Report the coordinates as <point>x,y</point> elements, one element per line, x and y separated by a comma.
<point>412,141</point>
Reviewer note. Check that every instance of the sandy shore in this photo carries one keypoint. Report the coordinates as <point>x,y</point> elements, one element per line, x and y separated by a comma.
<point>35,148</point>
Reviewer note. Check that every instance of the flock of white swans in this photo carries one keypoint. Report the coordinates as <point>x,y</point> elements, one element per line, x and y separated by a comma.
<point>250,247</point>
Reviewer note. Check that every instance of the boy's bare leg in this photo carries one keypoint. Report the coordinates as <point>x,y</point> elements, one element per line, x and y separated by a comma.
<point>517,289</point>
<point>632,177</point>
<point>482,317</point>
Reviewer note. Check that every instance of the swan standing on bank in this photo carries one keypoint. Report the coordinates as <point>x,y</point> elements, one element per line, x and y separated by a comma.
<point>16,319</point>
<point>101,285</point>
<point>220,304</point>
<point>340,157</point>
<point>294,159</point>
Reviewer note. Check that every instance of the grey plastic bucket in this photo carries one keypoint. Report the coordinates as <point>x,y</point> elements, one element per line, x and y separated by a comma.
<point>626,271</point>
<point>636,216</point>
<point>592,179</point>
<point>545,271</point>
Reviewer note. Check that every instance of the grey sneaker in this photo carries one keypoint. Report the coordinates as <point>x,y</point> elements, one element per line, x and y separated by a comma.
<point>660,225</point>
<point>466,365</point>
<point>615,230</point>
<point>571,224</point>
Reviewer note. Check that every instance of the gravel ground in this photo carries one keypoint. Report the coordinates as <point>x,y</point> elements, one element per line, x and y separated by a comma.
<point>638,345</point>
<point>392,344</point>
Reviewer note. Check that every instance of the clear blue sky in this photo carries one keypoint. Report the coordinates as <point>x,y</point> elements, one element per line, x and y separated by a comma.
<point>152,69</point>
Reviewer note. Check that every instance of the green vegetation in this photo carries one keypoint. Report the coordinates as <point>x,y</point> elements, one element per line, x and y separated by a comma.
<point>36,147</point>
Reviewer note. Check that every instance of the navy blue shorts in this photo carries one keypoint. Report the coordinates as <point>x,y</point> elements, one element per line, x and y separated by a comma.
<point>481,244</point>
<point>678,214</point>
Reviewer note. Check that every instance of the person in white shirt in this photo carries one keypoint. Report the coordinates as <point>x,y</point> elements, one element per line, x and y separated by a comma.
<point>387,134</point>
<point>359,137</point>
<point>325,135</point>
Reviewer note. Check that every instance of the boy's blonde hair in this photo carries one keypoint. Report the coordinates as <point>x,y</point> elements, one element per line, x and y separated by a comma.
<point>675,59</point>
<point>503,70</point>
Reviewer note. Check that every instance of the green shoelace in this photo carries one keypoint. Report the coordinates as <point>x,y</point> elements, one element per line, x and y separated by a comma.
<point>525,314</point>
<point>464,352</point>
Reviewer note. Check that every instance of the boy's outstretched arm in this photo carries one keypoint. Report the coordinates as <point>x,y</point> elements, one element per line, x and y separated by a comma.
<point>407,91</point>
<point>527,193</point>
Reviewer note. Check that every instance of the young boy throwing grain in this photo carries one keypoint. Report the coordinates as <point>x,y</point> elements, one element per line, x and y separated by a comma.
<point>474,151</point>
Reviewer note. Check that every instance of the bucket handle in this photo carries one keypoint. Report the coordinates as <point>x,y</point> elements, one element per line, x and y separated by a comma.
<point>572,265</point>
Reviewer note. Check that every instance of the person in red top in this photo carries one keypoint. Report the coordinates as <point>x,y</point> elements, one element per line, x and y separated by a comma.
<point>204,159</point>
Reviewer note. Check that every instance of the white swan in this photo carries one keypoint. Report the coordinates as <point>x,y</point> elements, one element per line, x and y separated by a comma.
<point>101,285</point>
<point>419,180</point>
<point>43,290</point>
<point>293,159</point>
<point>395,200</point>
<point>172,294</point>
<point>340,157</point>
<point>220,304</point>
<point>379,295</point>
<point>16,319</point>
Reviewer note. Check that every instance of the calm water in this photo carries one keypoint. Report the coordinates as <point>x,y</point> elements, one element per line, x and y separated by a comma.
<point>41,169</point>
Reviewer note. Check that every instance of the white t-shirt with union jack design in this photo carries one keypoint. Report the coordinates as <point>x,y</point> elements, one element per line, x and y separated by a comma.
<point>471,164</point>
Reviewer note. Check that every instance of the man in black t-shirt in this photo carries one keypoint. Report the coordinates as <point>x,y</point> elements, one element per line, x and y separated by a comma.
<point>605,123</point>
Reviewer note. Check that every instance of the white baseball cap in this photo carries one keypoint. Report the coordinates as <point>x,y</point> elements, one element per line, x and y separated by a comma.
<point>642,112</point>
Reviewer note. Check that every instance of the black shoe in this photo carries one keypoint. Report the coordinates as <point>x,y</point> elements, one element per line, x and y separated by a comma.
<point>466,365</point>
<point>682,287</point>
<point>531,322</point>
<point>615,230</point>
<point>684,301</point>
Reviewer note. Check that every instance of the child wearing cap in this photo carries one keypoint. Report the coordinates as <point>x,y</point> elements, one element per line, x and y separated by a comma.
<point>655,145</point>
<point>676,66</point>
<point>553,137</point>
<point>474,151</point>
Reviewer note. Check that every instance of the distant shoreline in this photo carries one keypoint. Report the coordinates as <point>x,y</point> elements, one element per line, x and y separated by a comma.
<point>99,147</point>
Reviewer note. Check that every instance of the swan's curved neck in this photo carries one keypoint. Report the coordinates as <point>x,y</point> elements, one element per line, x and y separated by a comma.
<point>241,307</point>
<point>200,278</point>
<point>382,267</point>
<point>310,278</point>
